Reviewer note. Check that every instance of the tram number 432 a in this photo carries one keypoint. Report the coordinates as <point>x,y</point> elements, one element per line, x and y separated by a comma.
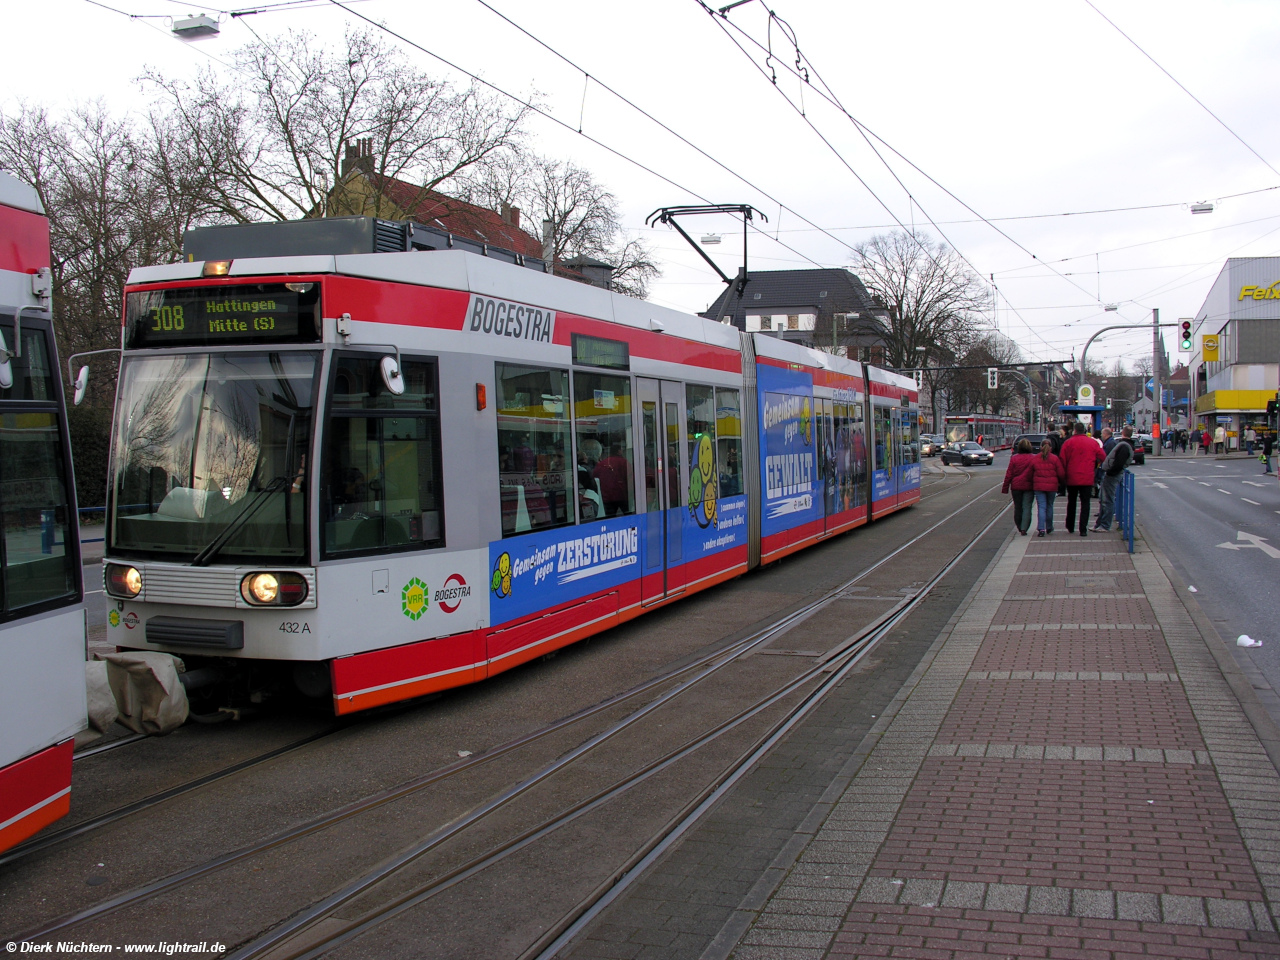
<point>293,626</point>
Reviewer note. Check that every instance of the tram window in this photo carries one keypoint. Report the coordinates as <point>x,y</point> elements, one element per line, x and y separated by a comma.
<point>358,385</point>
<point>533,443</point>
<point>729,441</point>
<point>884,438</point>
<point>32,372</point>
<point>37,564</point>
<point>384,479</point>
<point>910,437</point>
<point>700,418</point>
<point>605,445</point>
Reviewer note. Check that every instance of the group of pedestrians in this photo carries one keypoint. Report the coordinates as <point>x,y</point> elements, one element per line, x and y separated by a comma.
<point>1071,466</point>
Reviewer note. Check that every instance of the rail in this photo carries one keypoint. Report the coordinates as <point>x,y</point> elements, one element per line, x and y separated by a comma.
<point>1124,507</point>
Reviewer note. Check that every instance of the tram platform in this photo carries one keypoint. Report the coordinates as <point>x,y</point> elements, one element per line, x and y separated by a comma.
<point>1077,768</point>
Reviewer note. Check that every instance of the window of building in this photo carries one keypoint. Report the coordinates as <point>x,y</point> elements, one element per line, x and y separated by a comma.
<point>605,445</point>
<point>533,447</point>
<point>383,477</point>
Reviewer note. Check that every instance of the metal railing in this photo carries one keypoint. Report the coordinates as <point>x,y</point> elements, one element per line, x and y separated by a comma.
<point>1124,507</point>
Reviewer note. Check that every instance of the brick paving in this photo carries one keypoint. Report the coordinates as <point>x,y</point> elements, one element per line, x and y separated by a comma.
<point>1071,776</point>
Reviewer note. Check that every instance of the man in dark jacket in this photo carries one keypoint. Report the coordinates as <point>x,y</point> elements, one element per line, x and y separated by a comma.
<point>1121,456</point>
<point>1268,445</point>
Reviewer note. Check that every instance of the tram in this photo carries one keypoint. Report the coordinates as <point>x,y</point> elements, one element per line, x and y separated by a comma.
<point>42,619</point>
<point>994,433</point>
<point>377,475</point>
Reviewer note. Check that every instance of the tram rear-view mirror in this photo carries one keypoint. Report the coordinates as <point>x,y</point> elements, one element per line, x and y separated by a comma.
<point>391,375</point>
<point>82,381</point>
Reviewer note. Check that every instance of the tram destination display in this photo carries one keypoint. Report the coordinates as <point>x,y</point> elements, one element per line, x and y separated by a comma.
<point>258,313</point>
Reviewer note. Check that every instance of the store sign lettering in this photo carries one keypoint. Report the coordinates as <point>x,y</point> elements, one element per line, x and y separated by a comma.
<point>1260,293</point>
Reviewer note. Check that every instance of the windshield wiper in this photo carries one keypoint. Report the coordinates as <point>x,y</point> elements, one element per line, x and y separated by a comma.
<point>239,520</point>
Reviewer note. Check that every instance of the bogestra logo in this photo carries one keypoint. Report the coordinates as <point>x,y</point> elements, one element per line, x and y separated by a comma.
<point>1260,293</point>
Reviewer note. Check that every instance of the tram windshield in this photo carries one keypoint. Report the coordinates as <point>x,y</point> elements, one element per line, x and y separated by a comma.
<point>211,457</point>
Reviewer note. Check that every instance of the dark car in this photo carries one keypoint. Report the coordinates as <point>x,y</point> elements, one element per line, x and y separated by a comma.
<point>1035,439</point>
<point>966,453</point>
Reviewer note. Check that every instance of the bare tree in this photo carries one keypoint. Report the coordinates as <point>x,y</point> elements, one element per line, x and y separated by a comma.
<point>272,134</point>
<point>970,387</point>
<point>932,298</point>
<point>579,215</point>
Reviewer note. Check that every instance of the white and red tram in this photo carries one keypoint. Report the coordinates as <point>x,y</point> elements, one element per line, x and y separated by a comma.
<point>393,473</point>
<point>42,621</point>
<point>992,431</point>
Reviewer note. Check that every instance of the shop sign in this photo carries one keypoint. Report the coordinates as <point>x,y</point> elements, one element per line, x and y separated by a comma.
<point>1250,292</point>
<point>1209,348</point>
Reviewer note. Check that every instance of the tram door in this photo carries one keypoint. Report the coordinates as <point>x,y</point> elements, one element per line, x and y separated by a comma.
<point>825,451</point>
<point>663,429</point>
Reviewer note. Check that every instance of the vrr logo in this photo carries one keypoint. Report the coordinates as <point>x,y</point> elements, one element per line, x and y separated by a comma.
<point>414,599</point>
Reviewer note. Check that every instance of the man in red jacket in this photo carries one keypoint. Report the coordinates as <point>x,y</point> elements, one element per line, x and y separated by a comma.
<point>1080,456</point>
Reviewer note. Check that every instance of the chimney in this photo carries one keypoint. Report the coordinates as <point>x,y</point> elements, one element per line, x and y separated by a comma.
<point>510,214</point>
<point>548,240</point>
<point>358,154</point>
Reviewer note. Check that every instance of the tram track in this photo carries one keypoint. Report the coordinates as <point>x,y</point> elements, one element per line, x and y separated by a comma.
<point>835,665</point>
<point>45,841</point>
<point>694,672</point>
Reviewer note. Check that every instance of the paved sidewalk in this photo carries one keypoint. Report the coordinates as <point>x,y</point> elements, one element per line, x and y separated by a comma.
<point>1068,774</point>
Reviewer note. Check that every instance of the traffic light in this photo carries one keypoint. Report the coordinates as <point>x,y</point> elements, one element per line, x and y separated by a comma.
<point>918,376</point>
<point>1108,403</point>
<point>993,377</point>
<point>1185,343</point>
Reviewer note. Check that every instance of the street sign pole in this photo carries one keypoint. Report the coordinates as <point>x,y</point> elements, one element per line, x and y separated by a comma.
<point>1157,397</point>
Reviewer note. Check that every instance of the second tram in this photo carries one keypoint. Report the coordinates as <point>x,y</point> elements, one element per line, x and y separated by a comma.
<point>42,620</point>
<point>994,433</point>
<point>379,475</point>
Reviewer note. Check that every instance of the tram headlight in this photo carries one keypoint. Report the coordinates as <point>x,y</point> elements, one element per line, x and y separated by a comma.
<point>273,589</point>
<point>123,580</point>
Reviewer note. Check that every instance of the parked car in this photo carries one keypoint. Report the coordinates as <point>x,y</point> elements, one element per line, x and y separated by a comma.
<point>1146,441</point>
<point>966,453</point>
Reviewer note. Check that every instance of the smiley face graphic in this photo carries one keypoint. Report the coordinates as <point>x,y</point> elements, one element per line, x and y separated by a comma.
<point>500,583</point>
<point>703,485</point>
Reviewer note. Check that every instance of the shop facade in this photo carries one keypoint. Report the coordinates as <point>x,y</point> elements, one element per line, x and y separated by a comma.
<point>1241,315</point>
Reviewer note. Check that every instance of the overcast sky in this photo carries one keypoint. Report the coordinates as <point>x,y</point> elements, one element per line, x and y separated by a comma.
<point>1025,112</point>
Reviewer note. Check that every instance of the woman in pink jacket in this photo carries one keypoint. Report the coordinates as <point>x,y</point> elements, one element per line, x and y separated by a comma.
<point>1018,478</point>
<point>1047,475</point>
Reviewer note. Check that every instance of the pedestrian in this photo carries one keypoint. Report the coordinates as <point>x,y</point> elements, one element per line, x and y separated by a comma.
<point>1250,435</point>
<point>1206,440</point>
<point>1219,439</point>
<point>1080,458</point>
<point>1108,439</point>
<point>1047,479</point>
<point>1121,456</point>
<point>1019,479</point>
<point>1182,440</point>
<point>1268,445</point>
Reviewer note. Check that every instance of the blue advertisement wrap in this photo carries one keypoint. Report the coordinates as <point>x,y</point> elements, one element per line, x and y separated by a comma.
<point>537,571</point>
<point>788,464</point>
<point>910,477</point>
<point>728,529</point>
<point>882,485</point>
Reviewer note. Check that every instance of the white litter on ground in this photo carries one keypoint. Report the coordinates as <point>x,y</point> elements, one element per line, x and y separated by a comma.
<point>1193,589</point>
<point>1244,640</point>
<point>464,753</point>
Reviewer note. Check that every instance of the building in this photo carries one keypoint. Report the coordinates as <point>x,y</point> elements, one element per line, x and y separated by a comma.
<point>828,309</point>
<point>361,191</point>
<point>1242,311</point>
